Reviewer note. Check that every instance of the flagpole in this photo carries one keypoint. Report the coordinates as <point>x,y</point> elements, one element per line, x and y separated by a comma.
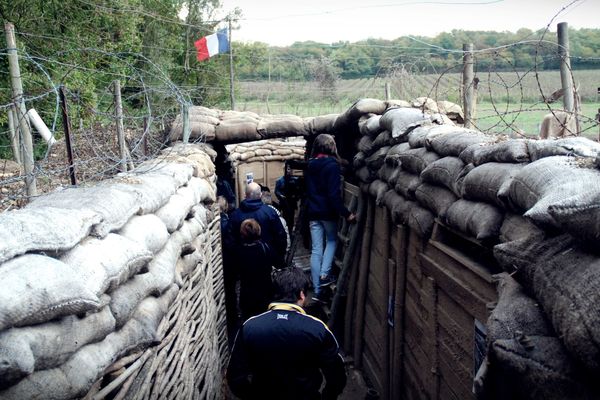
<point>232,98</point>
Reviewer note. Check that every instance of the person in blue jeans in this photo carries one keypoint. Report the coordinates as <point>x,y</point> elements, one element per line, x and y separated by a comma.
<point>324,207</point>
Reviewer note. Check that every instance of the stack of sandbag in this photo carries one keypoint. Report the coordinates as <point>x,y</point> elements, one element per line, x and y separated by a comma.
<point>243,126</point>
<point>267,150</point>
<point>89,273</point>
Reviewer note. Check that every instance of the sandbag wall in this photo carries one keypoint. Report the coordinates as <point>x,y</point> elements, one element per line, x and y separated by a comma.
<point>116,289</point>
<point>449,210</point>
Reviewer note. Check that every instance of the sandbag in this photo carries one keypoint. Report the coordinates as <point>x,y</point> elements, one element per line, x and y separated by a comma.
<point>370,126</point>
<point>322,124</point>
<point>579,215</point>
<point>390,198</point>
<point>377,189</point>
<point>281,127</point>
<point>359,160</point>
<point>415,160</point>
<point>75,377</point>
<point>401,209</point>
<point>453,144</point>
<point>435,198</point>
<point>175,211</point>
<point>480,220</point>
<point>383,139</point>
<point>392,157</point>
<point>366,175</point>
<point>201,110</point>
<point>425,104</point>
<point>200,129</point>
<point>571,146</point>
<point>422,135</point>
<point>421,220</point>
<point>375,160</point>
<point>365,145</point>
<point>37,288</point>
<point>399,121</point>
<point>43,346</point>
<point>452,110</point>
<point>43,229</point>
<point>231,131</point>
<point>358,109</point>
<point>507,151</point>
<point>565,280</point>
<point>406,184</point>
<point>515,227</point>
<point>386,172</point>
<point>445,172</point>
<point>490,183</point>
<point>550,181</point>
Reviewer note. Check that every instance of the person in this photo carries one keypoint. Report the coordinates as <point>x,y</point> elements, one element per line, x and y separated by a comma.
<point>267,198</point>
<point>229,270</point>
<point>288,190</point>
<point>272,232</point>
<point>281,353</point>
<point>324,207</point>
<point>255,262</point>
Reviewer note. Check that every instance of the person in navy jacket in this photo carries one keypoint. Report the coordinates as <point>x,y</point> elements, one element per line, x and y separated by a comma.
<point>281,353</point>
<point>324,207</point>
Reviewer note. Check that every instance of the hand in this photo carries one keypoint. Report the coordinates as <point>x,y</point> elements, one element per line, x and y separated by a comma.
<point>351,218</point>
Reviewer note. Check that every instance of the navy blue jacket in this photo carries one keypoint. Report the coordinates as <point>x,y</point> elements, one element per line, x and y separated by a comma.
<point>323,190</point>
<point>281,353</point>
<point>272,231</point>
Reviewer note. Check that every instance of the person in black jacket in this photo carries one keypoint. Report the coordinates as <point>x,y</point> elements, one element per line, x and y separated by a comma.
<point>255,263</point>
<point>281,353</point>
<point>324,207</point>
<point>272,231</point>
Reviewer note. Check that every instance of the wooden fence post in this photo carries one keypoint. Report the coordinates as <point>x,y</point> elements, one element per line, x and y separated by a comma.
<point>468,85</point>
<point>20,110</point>
<point>185,114</point>
<point>120,129</point>
<point>388,92</point>
<point>67,128</point>
<point>14,135</point>
<point>566,77</point>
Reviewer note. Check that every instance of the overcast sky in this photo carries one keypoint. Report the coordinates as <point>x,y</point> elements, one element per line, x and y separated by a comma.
<point>283,22</point>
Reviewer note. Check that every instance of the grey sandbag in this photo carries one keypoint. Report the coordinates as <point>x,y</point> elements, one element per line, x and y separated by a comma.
<point>571,146</point>
<point>366,175</point>
<point>390,198</point>
<point>358,109</point>
<point>453,144</point>
<point>445,172</point>
<point>399,121</point>
<point>535,368</point>
<point>115,206</point>
<point>37,289</point>
<point>435,198</point>
<point>273,127</point>
<point>480,220</point>
<point>506,151</point>
<point>579,215</point>
<point>490,183</point>
<point>550,181</point>
<point>415,160</point>
<point>406,184</point>
<point>515,227</point>
<point>375,160</point>
<point>383,139</point>
<point>565,280</point>
<point>148,230</point>
<point>104,264</point>
<point>187,264</point>
<point>421,221</point>
<point>377,189</point>
<point>423,135</point>
<point>43,346</point>
<point>359,160</point>
<point>231,131</point>
<point>174,212</point>
<point>392,157</point>
<point>75,378</point>
<point>370,126</point>
<point>401,210</point>
<point>365,145</point>
<point>321,124</point>
<point>388,173</point>
<point>43,229</point>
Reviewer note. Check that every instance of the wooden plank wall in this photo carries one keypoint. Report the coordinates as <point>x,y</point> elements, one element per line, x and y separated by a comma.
<point>423,296</point>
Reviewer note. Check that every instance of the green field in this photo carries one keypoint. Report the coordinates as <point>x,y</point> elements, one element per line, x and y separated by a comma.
<point>508,101</point>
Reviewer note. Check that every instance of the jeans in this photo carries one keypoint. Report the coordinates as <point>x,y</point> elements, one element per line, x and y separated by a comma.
<point>322,232</point>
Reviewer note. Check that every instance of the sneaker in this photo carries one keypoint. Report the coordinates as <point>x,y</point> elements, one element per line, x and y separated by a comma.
<point>326,281</point>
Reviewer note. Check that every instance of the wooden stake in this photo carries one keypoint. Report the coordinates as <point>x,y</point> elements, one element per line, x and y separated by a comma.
<point>468,85</point>
<point>67,128</point>
<point>14,135</point>
<point>120,129</point>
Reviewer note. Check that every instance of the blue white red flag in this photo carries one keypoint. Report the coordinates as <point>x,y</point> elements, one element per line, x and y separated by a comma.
<point>211,45</point>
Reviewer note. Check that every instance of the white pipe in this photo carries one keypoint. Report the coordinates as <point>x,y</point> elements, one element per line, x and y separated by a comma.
<point>40,126</point>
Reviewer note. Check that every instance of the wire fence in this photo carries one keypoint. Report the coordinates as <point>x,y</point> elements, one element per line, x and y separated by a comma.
<point>510,99</point>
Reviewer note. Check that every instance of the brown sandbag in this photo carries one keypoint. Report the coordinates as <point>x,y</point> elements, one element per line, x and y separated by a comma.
<point>198,130</point>
<point>415,160</point>
<point>281,127</point>
<point>565,280</point>
<point>435,198</point>
<point>392,157</point>
<point>445,172</point>
<point>480,220</point>
<point>407,183</point>
<point>506,151</point>
<point>232,131</point>
<point>550,181</point>
<point>321,124</point>
<point>490,182</point>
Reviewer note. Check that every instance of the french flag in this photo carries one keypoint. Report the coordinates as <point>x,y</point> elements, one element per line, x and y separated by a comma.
<point>213,44</point>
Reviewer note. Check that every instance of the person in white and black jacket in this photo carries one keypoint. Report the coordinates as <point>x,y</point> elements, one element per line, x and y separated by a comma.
<point>281,353</point>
